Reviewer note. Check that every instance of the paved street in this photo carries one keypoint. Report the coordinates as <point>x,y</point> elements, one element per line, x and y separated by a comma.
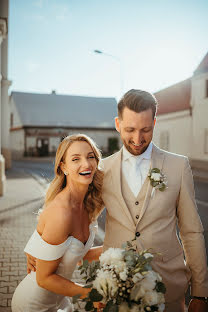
<point>26,184</point>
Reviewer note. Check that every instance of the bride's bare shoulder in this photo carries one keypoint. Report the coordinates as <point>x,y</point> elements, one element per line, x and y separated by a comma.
<point>57,221</point>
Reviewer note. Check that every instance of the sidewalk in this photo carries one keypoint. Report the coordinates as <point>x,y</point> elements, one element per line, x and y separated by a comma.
<point>23,198</point>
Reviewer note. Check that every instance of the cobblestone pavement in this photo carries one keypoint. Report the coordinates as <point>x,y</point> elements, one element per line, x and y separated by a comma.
<point>17,220</point>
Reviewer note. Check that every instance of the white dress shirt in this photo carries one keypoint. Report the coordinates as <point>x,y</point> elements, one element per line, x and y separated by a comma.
<point>135,168</point>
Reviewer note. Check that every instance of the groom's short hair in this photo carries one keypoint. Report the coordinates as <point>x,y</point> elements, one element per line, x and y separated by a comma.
<point>138,101</point>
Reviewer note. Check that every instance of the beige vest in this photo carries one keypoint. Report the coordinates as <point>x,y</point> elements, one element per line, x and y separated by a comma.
<point>133,203</point>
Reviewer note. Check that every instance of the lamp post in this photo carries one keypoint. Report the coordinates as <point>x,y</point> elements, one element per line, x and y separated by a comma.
<point>120,66</point>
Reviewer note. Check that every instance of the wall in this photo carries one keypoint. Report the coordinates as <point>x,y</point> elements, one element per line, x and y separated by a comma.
<point>199,103</point>
<point>178,126</point>
<point>17,143</point>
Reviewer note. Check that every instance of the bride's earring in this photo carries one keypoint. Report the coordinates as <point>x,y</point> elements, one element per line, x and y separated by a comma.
<point>66,173</point>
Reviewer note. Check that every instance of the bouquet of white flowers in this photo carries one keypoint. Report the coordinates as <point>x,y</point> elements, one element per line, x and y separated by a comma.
<point>123,280</point>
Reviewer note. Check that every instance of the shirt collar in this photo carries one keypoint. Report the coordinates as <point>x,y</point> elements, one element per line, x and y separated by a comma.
<point>146,155</point>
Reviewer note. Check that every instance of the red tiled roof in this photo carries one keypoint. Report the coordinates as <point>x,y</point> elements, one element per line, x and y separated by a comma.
<point>203,66</point>
<point>174,98</point>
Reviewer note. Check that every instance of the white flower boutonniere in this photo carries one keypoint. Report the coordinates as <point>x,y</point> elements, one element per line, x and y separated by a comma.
<point>157,180</point>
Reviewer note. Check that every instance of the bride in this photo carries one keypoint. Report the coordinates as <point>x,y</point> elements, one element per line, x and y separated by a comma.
<point>65,231</point>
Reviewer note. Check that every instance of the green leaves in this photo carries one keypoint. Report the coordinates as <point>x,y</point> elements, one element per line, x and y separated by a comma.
<point>155,170</point>
<point>111,307</point>
<point>89,306</point>
<point>162,187</point>
<point>95,296</point>
<point>157,179</point>
<point>160,287</point>
<point>154,183</point>
<point>88,270</point>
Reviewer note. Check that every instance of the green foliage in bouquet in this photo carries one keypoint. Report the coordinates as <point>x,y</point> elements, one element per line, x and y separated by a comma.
<point>123,280</point>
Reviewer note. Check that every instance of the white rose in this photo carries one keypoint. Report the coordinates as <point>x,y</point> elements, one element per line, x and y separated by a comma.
<point>137,277</point>
<point>155,176</point>
<point>161,298</point>
<point>111,256</point>
<point>136,308</point>
<point>151,298</point>
<point>158,277</point>
<point>123,275</point>
<point>149,281</point>
<point>161,307</point>
<point>137,292</point>
<point>119,266</point>
<point>105,284</point>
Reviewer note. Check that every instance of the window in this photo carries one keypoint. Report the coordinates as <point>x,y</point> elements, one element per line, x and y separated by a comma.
<point>206,142</point>
<point>11,120</point>
<point>164,140</point>
<point>112,145</point>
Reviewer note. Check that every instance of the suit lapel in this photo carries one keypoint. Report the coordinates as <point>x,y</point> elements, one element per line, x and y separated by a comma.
<point>156,162</point>
<point>116,179</point>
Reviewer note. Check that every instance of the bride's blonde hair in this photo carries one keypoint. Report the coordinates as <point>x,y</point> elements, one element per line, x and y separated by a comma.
<point>93,198</point>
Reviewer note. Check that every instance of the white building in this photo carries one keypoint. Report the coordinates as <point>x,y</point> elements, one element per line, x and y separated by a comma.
<point>5,155</point>
<point>182,122</point>
<point>40,121</point>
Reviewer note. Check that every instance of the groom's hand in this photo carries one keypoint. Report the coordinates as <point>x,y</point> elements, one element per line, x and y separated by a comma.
<point>31,263</point>
<point>197,305</point>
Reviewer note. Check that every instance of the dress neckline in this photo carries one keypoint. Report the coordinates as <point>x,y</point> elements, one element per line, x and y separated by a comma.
<point>72,237</point>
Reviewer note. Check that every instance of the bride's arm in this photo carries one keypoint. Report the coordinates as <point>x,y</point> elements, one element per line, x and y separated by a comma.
<point>56,230</point>
<point>93,254</point>
<point>48,279</point>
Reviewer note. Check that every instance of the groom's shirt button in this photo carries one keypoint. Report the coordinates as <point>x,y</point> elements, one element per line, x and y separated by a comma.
<point>137,234</point>
<point>137,216</point>
<point>136,203</point>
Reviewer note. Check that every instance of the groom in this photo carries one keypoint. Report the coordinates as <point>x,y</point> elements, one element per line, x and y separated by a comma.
<point>136,210</point>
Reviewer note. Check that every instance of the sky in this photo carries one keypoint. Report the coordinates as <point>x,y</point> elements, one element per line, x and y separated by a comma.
<point>146,45</point>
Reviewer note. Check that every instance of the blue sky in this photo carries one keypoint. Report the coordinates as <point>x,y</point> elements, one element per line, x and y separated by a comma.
<point>156,42</point>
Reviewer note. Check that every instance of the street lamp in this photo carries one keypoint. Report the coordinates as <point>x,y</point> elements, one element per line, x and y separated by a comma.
<point>120,65</point>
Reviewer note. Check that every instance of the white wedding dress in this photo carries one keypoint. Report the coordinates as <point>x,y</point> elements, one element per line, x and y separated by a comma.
<point>28,296</point>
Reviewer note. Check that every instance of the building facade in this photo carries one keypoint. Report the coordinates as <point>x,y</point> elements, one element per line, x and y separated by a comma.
<point>5,153</point>
<point>39,122</point>
<point>182,125</point>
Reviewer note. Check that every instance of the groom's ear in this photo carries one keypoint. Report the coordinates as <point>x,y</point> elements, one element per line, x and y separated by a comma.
<point>117,125</point>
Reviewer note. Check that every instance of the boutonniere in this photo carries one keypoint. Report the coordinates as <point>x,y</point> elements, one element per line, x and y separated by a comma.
<point>157,180</point>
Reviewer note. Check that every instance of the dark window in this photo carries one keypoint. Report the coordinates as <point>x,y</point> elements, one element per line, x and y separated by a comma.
<point>42,146</point>
<point>11,120</point>
<point>112,145</point>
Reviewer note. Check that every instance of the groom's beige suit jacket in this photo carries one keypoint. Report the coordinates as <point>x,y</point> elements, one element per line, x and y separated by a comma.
<point>155,223</point>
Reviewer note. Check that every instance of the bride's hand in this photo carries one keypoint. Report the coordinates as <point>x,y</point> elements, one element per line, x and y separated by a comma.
<point>80,262</point>
<point>98,305</point>
<point>31,263</point>
<point>85,292</point>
